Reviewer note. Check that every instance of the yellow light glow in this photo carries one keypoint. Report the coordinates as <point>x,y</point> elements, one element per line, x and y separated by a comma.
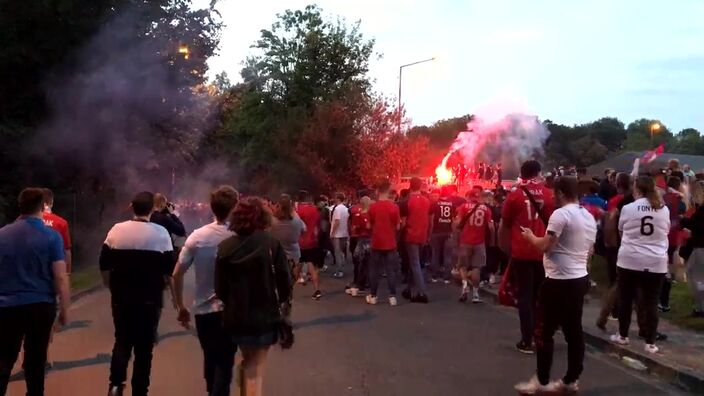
<point>443,174</point>
<point>183,49</point>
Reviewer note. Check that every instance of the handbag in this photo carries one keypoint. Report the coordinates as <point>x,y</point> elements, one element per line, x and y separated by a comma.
<point>284,327</point>
<point>508,291</point>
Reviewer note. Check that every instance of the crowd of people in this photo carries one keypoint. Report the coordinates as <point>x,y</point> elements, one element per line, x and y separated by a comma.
<point>483,174</point>
<point>538,238</point>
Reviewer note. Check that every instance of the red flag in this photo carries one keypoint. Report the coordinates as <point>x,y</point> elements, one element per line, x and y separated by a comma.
<point>650,156</point>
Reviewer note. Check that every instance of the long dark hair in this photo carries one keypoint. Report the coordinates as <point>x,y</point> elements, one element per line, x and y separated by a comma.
<point>646,187</point>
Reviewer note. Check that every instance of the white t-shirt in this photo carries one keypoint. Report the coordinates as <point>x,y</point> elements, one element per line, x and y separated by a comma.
<point>644,242</point>
<point>339,212</point>
<point>200,251</point>
<point>575,229</point>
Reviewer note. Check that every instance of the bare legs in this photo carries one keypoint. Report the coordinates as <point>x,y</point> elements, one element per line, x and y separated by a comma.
<point>253,368</point>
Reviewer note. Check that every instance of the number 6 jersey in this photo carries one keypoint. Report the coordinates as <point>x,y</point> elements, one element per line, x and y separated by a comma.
<point>644,242</point>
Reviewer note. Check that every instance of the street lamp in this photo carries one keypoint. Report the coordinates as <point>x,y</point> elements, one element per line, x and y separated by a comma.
<point>654,128</point>
<point>183,50</point>
<point>400,77</point>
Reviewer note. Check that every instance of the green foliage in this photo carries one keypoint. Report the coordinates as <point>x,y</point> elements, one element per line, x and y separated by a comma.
<point>638,135</point>
<point>688,141</point>
<point>442,133</point>
<point>47,44</point>
<point>305,110</point>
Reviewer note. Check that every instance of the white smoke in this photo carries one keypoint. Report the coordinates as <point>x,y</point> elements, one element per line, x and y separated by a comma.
<point>509,139</point>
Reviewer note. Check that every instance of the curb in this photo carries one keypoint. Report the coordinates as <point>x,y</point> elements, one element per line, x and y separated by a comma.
<point>682,378</point>
<point>85,292</point>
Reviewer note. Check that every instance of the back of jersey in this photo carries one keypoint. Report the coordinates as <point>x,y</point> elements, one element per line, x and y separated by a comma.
<point>644,244</point>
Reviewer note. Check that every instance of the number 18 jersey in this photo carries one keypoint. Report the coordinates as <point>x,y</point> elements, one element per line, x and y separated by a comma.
<point>644,243</point>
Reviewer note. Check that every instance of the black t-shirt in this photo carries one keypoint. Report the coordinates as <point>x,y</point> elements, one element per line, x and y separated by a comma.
<point>444,212</point>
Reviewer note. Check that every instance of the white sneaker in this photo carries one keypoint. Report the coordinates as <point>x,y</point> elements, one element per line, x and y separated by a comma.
<point>371,300</point>
<point>569,388</point>
<point>493,279</point>
<point>393,301</point>
<point>617,339</point>
<point>652,348</point>
<point>353,291</point>
<point>447,281</point>
<point>302,281</point>
<point>533,386</point>
<point>476,299</point>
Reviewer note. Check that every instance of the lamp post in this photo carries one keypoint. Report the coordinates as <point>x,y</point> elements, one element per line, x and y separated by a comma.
<point>400,77</point>
<point>654,128</point>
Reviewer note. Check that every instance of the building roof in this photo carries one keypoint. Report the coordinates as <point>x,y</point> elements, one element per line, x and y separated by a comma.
<point>624,162</point>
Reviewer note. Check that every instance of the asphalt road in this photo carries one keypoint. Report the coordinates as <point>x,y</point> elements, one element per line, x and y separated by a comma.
<point>344,347</point>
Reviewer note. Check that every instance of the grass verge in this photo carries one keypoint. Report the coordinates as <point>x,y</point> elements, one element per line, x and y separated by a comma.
<point>85,278</point>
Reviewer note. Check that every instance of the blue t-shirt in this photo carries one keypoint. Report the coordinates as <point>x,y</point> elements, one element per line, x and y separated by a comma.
<point>28,250</point>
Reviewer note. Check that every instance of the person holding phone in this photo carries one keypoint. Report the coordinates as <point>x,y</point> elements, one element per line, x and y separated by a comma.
<point>566,246</point>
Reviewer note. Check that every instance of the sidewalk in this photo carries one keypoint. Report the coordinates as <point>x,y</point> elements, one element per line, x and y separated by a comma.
<point>680,361</point>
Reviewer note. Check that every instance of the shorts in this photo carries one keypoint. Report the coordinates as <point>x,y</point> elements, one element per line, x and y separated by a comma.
<point>261,340</point>
<point>471,256</point>
<point>315,256</point>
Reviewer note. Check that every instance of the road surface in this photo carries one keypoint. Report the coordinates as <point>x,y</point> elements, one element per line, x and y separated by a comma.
<point>344,347</point>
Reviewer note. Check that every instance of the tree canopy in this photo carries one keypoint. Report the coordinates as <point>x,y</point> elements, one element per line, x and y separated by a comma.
<point>307,115</point>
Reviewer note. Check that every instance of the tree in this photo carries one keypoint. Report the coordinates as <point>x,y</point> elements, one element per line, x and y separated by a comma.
<point>688,141</point>
<point>101,90</point>
<point>304,59</point>
<point>610,132</point>
<point>382,151</point>
<point>442,133</point>
<point>638,135</point>
<point>305,95</point>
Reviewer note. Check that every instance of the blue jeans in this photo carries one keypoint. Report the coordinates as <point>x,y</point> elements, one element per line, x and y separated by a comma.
<point>340,247</point>
<point>388,260</point>
<point>441,265</point>
<point>417,280</point>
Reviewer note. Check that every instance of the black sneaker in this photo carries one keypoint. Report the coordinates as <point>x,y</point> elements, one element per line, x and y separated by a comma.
<point>463,297</point>
<point>664,308</point>
<point>658,336</point>
<point>526,348</point>
<point>420,299</point>
<point>317,295</point>
<point>116,390</point>
<point>406,293</point>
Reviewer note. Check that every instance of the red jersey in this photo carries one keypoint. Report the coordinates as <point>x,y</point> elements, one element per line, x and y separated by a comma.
<point>676,205</point>
<point>474,231</point>
<point>613,203</point>
<point>60,225</point>
<point>519,212</point>
<point>311,217</point>
<point>359,223</point>
<point>384,217</point>
<point>417,213</point>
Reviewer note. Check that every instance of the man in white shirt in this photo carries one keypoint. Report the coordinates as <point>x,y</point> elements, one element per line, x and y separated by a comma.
<point>200,251</point>
<point>339,233</point>
<point>567,246</point>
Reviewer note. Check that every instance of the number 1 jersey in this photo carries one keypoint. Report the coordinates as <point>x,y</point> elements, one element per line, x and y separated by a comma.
<point>644,242</point>
<point>519,212</point>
